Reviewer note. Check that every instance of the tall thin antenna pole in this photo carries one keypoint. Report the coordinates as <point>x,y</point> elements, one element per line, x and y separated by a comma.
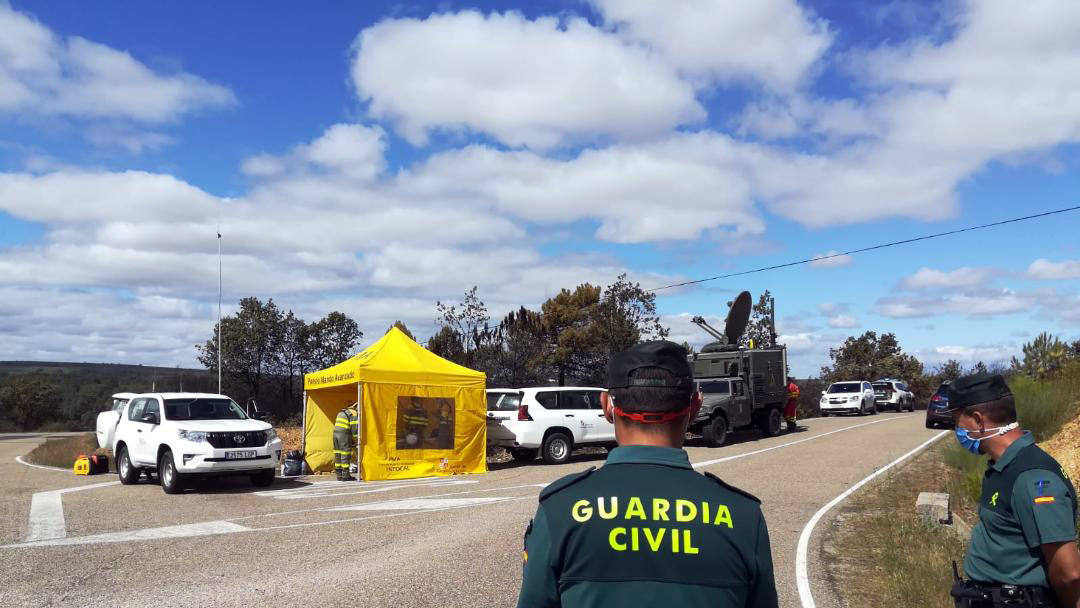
<point>219,345</point>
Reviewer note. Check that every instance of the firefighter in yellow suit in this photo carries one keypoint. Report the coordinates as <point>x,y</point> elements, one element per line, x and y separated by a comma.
<point>346,432</point>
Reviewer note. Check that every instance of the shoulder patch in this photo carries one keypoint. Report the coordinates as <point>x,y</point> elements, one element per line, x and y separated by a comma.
<point>733,488</point>
<point>565,482</point>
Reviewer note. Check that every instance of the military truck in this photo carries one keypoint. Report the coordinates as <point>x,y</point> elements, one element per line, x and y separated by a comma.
<point>741,387</point>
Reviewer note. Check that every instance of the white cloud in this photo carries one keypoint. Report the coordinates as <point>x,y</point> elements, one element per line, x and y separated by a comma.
<point>350,150</point>
<point>42,73</point>
<point>1045,269</point>
<point>831,259</point>
<point>539,83</point>
<point>949,87</point>
<point>771,41</point>
<point>675,189</point>
<point>831,309</point>
<point>132,141</point>
<point>843,322</point>
<point>961,278</point>
<point>969,355</point>
<point>985,303</point>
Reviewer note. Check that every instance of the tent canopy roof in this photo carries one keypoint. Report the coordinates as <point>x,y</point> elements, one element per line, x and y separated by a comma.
<point>395,359</point>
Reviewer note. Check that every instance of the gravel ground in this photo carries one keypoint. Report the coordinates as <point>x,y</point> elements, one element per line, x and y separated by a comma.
<point>294,551</point>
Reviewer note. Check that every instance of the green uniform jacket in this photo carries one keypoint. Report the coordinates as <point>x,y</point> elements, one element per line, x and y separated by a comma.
<point>647,530</point>
<point>1027,501</point>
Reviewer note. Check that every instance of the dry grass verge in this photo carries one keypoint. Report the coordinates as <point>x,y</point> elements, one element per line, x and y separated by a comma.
<point>879,551</point>
<point>62,451</point>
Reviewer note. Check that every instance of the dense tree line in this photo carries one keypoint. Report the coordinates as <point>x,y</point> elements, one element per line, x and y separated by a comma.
<point>268,350</point>
<point>569,340</point>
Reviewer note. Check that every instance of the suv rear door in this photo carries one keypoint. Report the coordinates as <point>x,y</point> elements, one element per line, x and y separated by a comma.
<point>502,409</point>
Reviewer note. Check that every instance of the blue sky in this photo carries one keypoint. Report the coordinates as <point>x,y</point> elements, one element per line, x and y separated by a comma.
<point>376,157</point>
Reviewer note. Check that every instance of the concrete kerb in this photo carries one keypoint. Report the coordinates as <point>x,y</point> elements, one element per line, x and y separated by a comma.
<point>19,459</point>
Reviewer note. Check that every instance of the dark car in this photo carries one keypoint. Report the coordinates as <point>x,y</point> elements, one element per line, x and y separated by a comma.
<point>936,417</point>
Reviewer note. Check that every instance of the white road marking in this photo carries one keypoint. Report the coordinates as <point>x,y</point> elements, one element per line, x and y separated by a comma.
<point>46,517</point>
<point>327,489</point>
<point>421,504</point>
<point>19,459</point>
<point>47,512</point>
<point>205,528</point>
<point>706,463</point>
<point>802,579</point>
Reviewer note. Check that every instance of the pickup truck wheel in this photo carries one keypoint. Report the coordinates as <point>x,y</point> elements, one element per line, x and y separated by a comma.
<point>557,448</point>
<point>770,424</point>
<point>171,481</point>
<point>127,472</point>
<point>263,478</point>
<point>715,432</point>
<point>523,454</point>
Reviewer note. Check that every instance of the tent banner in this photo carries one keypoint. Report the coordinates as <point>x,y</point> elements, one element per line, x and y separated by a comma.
<point>411,431</point>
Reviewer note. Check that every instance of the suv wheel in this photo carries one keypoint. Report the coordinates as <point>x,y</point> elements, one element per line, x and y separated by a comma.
<point>171,481</point>
<point>263,478</point>
<point>127,472</point>
<point>557,448</point>
<point>770,424</point>
<point>873,408</point>
<point>523,454</point>
<point>715,432</point>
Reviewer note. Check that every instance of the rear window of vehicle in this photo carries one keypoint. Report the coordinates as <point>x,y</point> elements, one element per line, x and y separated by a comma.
<point>549,400</point>
<point>503,402</point>
<point>716,388</point>
<point>203,409</point>
<point>882,386</point>
<point>118,404</point>
<point>845,387</point>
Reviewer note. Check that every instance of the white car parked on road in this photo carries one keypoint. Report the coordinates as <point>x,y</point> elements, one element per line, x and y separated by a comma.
<point>184,434</point>
<point>852,396</point>
<point>894,394</point>
<point>549,420</point>
<point>108,419</point>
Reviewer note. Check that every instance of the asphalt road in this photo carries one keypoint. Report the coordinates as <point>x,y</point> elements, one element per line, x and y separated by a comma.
<point>448,542</point>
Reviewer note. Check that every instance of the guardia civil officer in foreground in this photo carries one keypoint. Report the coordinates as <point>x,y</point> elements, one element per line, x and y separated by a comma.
<point>646,529</point>
<point>1023,550</point>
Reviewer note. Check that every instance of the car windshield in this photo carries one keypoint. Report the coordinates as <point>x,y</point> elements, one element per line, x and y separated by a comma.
<point>845,387</point>
<point>203,408</point>
<point>715,388</point>
<point>503,401</point>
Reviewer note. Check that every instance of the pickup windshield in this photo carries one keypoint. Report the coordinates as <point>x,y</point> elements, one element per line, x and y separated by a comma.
<point>715,388</point>
<point>845,387</point>
<point>203,409</point>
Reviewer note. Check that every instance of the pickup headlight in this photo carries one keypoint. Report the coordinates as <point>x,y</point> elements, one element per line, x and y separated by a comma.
<point>193,436</point>
<point>824,398</point>
<point>271,434</point>
<point>853,398</point>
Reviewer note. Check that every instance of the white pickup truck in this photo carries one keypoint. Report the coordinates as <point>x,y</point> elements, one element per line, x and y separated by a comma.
<point>186,434</point>
<point>108,419</point>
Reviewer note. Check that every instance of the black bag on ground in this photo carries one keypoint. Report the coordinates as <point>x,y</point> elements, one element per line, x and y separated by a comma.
<point>294,464</point>
<point>99,463</point>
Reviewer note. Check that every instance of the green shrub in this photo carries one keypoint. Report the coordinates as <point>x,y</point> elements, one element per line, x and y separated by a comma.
<point>1043,406</point>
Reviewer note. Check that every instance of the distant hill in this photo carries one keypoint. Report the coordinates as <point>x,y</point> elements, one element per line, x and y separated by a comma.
<point>52,395</point>
<point>47,367</point>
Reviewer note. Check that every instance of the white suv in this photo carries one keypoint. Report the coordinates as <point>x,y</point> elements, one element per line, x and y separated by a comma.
<point>852,396</point>
<point>894,394</point>
<point>550,420</point>
<point>181,434</point>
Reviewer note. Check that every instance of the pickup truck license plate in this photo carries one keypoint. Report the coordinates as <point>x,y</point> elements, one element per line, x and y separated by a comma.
<point>239,455</point>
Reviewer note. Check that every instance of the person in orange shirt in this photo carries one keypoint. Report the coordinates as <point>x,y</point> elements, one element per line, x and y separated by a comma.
<point>792,406</point>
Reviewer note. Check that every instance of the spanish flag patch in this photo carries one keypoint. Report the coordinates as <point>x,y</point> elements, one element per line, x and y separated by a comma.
<point>1043,500</point>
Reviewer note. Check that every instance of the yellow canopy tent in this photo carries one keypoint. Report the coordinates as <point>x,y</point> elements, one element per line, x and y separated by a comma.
<point>420,414</point>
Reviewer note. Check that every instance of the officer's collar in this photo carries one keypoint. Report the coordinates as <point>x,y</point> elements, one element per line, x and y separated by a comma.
<point>1014,448</point>
<point>649,454</point>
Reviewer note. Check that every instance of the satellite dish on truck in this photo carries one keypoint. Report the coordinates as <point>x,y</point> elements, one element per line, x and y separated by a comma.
<point>737,318</point>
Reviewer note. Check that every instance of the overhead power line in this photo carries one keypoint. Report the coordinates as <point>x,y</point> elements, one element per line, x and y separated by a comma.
<point>871,248</point>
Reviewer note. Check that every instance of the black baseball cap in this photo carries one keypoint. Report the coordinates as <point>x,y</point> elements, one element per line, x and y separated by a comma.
<point>657,353</point>
<point>975,389</point>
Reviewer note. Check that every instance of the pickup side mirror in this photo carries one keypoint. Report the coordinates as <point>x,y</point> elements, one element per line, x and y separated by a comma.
<point>260,415</point>
<point>150,419</point>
